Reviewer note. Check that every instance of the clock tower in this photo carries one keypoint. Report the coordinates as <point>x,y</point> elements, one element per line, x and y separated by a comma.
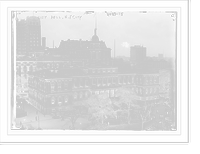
<point>95,49</point>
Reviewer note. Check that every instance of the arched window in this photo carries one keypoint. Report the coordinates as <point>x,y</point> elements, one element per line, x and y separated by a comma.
<point>52,100</point>
<point>75,95</point>
<point>48,65</point>
<point>86,94</point>
<point>154,90</point>
<point>60,100</point>
<point>150,90</point>
<point>81,95</point>
<point>136,90</point>
<point>66,84</point>
<point>57,65</point>
<point>82,82</point>
<point>141,91</point>
<point>66,99</point>
<point>52,86</point>
<point>59,85</point>
<point>140,80</point>
<point>87,82</point>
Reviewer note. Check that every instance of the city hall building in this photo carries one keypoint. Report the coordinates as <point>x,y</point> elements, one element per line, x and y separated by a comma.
<point>53,89</point>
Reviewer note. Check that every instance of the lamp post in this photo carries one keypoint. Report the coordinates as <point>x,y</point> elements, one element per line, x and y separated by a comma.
<point>38,119</point>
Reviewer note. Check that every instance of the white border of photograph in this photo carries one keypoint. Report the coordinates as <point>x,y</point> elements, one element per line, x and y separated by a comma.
<point>57,136</point>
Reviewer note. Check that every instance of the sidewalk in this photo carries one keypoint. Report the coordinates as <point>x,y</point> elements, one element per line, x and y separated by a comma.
<point>46,121</point>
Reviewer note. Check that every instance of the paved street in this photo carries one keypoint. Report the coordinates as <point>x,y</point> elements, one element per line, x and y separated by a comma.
<point>47,121</point>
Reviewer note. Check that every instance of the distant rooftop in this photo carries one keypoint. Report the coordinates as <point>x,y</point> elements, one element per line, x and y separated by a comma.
<point>155,60</point>
<point>49,58</point>
<point>60,72</point>
<point>127,69</point>
<point>99,66</point>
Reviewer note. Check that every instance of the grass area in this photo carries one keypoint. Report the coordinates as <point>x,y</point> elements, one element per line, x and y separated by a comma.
<point>133,126</point>
<point>19,113</point>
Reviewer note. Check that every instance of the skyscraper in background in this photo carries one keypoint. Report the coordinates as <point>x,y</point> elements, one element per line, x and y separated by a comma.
<point>160,56</point>
<point>28,35</point>
<point>137,54</point>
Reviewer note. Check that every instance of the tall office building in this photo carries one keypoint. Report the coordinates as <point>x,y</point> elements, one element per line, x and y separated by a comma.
<point>137,54</point>
<point>28,35</point>
<point>160,56</point>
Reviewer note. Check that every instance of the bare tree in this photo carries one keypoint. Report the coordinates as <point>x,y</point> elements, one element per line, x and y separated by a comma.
<point>72,115</point>
<point>126,102</point>
<point>150,109</point>
<point>144,113</point>
<point>100,107</point>
<point>171,106</point>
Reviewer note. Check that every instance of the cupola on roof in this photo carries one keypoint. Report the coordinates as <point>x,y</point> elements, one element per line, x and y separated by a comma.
<point>95,37</point>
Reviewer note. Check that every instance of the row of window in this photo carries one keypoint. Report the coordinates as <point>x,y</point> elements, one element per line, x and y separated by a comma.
<point>147,80</point>
<point>103,70</point>
<point>34,31</point>
<point>76,97</point>
<point>35,41</point>
<point>39,84</point>
<point>59,86</point>
<point>36,95</point>
<point>34,45</point>
<point>82,54</point>
<point>84,82</point>
<point>146,91</point>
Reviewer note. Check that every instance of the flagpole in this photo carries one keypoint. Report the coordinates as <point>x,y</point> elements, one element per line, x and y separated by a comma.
<point>95,20</point>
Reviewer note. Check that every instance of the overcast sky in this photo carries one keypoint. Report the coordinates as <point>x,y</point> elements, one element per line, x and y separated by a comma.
<point>153,30</point>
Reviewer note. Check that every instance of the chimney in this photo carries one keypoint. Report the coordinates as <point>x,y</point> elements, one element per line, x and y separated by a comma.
<point>43,42</point>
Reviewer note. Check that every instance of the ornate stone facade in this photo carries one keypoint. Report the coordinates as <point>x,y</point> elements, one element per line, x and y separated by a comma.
<point>51,89</point>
